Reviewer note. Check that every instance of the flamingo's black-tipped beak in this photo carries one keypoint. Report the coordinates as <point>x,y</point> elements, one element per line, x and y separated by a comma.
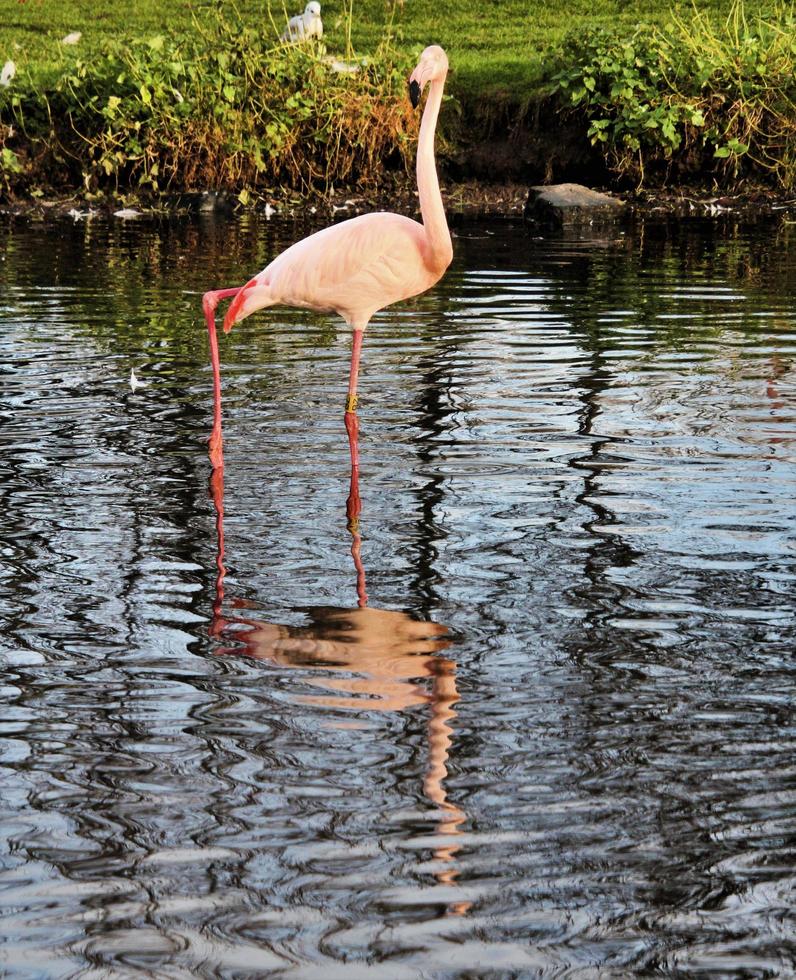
<point>236,309</point>
<point>414,93</point>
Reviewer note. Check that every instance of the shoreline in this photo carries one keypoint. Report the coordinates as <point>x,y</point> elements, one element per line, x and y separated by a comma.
<point>465,200</point>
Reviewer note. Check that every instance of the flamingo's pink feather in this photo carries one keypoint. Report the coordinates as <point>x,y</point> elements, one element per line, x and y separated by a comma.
<point>353,268</point>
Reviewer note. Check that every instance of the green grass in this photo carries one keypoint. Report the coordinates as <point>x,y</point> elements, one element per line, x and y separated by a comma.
<point>497,48</point>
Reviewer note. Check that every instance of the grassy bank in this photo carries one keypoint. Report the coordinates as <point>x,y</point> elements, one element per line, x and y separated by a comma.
<point>219,105</point>
<point>497,48</point>
<point>195,94</point>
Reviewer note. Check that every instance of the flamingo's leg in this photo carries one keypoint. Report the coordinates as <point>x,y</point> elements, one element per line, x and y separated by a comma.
<point>353,509</point>
<point>210,301</point>
<point>351,420</point>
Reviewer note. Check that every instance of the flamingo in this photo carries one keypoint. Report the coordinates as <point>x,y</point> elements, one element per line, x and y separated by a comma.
<point>354,268</point>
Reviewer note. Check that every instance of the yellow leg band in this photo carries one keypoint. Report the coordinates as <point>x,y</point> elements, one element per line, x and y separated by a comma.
<point>351,403</point>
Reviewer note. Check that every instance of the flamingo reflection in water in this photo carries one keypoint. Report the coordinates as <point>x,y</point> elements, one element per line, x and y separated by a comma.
<point>381,655</point>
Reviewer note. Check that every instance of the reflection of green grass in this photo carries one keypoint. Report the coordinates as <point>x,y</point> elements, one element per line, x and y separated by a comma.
<point>495,46</point>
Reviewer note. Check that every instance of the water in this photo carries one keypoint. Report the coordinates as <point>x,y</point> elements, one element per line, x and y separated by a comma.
<point>560,738</point>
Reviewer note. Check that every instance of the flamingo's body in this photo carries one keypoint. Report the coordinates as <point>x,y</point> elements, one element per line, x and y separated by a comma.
<point>354,269</point>
<point>359,266</point>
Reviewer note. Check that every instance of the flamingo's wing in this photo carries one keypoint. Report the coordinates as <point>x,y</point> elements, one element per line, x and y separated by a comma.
<point>358,265</point>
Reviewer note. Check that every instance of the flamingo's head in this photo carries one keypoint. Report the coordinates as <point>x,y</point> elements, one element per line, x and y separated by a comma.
<point>433,66</point>
<point>253,296</point>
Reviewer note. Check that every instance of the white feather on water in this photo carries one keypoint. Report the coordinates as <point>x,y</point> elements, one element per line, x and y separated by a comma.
<point>135,384</point>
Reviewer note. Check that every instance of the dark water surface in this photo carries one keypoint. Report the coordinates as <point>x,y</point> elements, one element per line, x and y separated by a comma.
<point>560,740</point>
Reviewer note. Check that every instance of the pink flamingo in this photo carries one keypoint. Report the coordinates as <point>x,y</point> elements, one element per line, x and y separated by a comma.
<point>354,268</point>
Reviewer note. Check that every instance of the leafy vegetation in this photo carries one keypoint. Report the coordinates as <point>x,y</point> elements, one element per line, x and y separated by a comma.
<point>201,93</point>
<point>693,95</point>
<point>217,106</point>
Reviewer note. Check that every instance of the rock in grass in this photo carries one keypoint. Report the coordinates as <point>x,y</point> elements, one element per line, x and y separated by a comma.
<point>565,205</point>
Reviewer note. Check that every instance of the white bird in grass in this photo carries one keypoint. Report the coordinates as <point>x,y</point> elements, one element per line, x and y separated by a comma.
<point>306,25</point>
<point>8,72</point>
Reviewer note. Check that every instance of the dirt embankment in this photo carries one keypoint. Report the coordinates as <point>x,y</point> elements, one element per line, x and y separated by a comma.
<point>486,169</point>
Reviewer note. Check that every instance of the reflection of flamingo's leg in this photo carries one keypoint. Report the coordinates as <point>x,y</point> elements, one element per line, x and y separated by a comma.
<point>351,420</point>
<point>210,301</point>
<point>443,696</point>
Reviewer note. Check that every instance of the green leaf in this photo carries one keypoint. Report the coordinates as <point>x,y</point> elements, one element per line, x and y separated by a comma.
<point>9,161</point>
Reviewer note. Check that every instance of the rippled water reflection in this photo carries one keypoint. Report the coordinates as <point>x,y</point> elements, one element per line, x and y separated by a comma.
<point>560,738</point>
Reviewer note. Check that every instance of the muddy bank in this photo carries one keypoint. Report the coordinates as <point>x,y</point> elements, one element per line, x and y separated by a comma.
<point>463,199</point>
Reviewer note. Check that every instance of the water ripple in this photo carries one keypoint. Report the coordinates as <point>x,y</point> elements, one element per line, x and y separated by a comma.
<point>558,740</point>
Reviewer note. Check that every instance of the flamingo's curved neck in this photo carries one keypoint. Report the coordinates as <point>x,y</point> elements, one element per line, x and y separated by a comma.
<point>439,239</point>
